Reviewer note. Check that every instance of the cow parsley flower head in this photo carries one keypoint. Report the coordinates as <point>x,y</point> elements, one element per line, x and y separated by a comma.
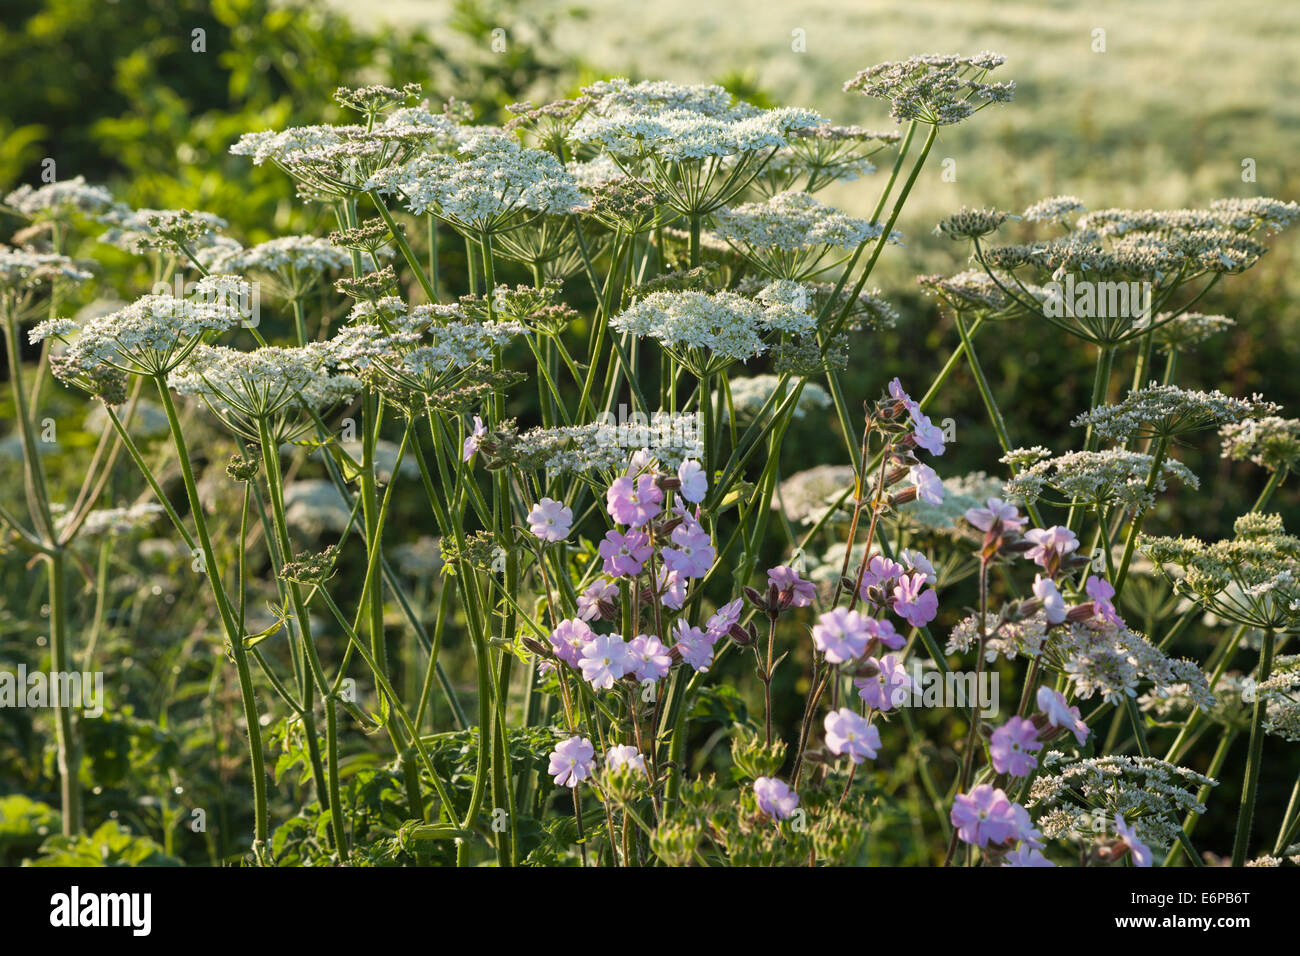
<point>971,223</point>
<point>1054,209</point>
<point>60,200</point>
<point>296,263</point>
<point>1167,411</point>
<point>1079,798</point>
<point>934,89</point>
<point>708,331</point>
<point>493,184</point>
<point>1271,442</point>
<point>1178,333</point>
<point>1252,578</point>
<point>25,271</point>
<point>1113,477</point>
<point>269,385</point>
<point>141,230</point>
<point>790,235</point>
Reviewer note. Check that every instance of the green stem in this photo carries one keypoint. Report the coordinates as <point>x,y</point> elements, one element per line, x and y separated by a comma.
<point>1245,817</point>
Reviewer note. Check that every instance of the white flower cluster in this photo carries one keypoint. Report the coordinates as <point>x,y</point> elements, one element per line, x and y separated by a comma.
<point>1281,696</point>
<point>1095,479</point>
<point>288,253</point>
<point>149,337</point>
<point>1167,411</point>
<point>934,89</point>
<point>791,222</point>
<point>1187,330</point>
<point>723,324</point>
<point>1079,798</point>
<point>59,199</point>
<point>494,179</point>
<point>27,269</point>
<point>620,95</point>
<point>667,437</point>
<point>1053,209</point>
<point>116,521</point>
<point>807,495</point>
<point>140,230</point>
<point>681,135</point>
<point>1271,442</point>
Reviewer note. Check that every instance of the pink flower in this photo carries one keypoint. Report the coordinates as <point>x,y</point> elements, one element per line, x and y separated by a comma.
<point>569,638</point>
<point>1101,592</point>
<point>1012,745</point>
<point>929,486</point>
<point>913,603</point>
<point>571,761</point>
<point>605,659</point>
<point>1053,604</point>
<point>650,659</point>
<point>624,756</point>
<point>885,633</point>
<point>1060,714</point>
<point>927,435</point>
<point>693,645</point>
<point>888,688</point>
<point>472,440</point>
<point>723,619</point>
<point>897,393</point>
<point>1026,855</point>
<point>850,733</point>
<point>880,571</point>
<point>671,588</point>
<point>695,484</point>
<point>625,554</point>
<point>916,561</point>
<point>634,501</point>
<point>1050,545</point>
<point>1141,852</point>
<point>550,520</point>
<point>793,590</point>
<point>983,816</point>
<point>841,635</point>
<point>694,553</point>
<point>593,595</point>
<point>775,798</point>
<point>998,512</point>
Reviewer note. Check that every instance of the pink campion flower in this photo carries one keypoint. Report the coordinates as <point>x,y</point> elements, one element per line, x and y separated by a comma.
<point>694,553</point>
<point>1025,832</point>
<point>569,638</point>
<point>897,393</point>
<point>850,733</point>
<point>723,619</point>
<point>916,561</point>
<point>624,756</point>
<point>639,462</point>
<point>1012,746</point>
<point>888,687</point>
<point>695,483</point>
<point>929,486</point>
<point>550,520</point>
<point>634,501</point>
<point>1102,592</point>
<point>997,512</point>
<point>625,554</point>
<point>694,646</point>
<point>775,798</point>
<point>571,761</point>
<point>841,635</point>
<point>1025,856</point>
<point>605,659</point>
<point>598,591</point>
<point>473,439</point>
<point>650,658</point>
<point>671,588</point>
<point>927,435</point>
<point>1050,544</point>
<point>983,816</point>
<point>1046,591</point>
<point>791,588</point>
<point>880,572</point>
<point>913,603</point>
<point>885,632</point>
<point>1141,852</point>
<point>1059,713</point>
